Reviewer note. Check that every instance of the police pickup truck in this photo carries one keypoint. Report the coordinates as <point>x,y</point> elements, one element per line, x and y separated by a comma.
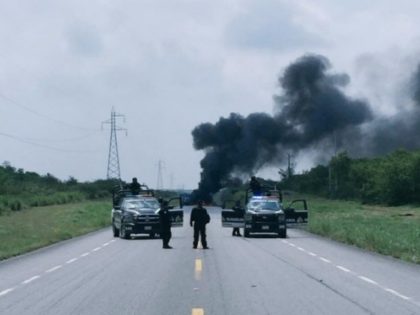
<point>139,213</point>
<point>264,214</point>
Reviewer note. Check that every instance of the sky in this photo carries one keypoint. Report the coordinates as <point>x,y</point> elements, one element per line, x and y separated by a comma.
<point>168,66</point>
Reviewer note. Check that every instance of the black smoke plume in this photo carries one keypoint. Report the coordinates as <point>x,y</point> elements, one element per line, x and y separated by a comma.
<point>310,109</point>
<point>416,86</point>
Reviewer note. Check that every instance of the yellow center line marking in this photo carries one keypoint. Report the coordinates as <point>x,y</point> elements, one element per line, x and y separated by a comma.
<point>198,265</point>
<point>198,269</point>
<point>197,311</point>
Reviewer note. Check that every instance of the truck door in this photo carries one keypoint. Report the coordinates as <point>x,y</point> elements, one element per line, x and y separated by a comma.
<point>231,218</point>
<point>297,211</point>
<point>176,211</point>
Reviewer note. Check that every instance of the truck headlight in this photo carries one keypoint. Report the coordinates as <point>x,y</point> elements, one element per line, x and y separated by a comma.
<point>280,217</point>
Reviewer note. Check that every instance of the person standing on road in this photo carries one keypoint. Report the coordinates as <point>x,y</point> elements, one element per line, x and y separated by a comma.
<point>239,212</point>
<point>165,224</point>
<point>199,218</point>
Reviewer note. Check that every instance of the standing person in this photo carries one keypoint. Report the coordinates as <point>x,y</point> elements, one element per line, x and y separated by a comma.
<point>255,186</point>
<point>165,224</point>
<point>239,211</point>
<point>134,186</point>
<point>200,217</point>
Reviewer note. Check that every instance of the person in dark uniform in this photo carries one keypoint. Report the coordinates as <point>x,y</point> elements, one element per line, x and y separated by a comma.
<point>165,224</point>
<point>255,186</point>
<point>199,218</point>
<point>134,186</point>
<point>239,211</point>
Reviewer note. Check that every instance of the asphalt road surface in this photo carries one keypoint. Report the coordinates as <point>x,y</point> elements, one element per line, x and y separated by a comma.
<point>303,274</point>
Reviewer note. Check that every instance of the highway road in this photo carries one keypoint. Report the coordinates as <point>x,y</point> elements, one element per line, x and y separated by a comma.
<point>303,274</point>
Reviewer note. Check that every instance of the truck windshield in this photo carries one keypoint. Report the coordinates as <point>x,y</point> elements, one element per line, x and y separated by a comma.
<point>138,204</point>
<point>153,204</point>
<point>264,205</point>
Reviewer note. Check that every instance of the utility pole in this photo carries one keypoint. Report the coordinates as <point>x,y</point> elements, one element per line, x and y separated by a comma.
<point>333,188</point>
<point>113,170</point>
<point>172,179</point>
<point>161,166</point>
<point>290,165</point>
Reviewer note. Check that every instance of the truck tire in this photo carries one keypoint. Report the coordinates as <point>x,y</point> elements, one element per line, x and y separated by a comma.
<point>124,233</point>
<point>283,233</point>
<point>115,231</point>
<point>246,233</point>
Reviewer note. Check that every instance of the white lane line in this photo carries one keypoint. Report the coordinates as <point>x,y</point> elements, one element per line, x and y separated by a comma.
<point>4,292</point>
<point>325,260</point>
<point>31,279</point>
<point>343,268</point>
<point>368,280</point>
<point>397,294</point>
<point>71,260</point>
<point>105,244</point>
<point>27,281</point>
<point>53,268</point>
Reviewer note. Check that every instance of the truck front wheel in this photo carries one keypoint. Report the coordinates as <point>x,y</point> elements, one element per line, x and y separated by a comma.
<point>115,231</point>
<point>283,233</point>
<point>124,233</point>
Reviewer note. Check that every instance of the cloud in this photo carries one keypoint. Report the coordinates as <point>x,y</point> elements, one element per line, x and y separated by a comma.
<point>270,26</point>
<point>83,39</point>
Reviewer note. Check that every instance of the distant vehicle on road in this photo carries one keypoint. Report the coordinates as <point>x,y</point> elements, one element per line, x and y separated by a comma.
<point>138,213</point>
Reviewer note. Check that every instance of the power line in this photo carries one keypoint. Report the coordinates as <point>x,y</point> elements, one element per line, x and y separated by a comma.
<point>26,108</point>
<point>43,145</point>
<point>86,136</point>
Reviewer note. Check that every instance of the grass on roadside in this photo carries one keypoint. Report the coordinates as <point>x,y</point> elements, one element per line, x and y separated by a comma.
<point>29,229</point>
<point>393,231</point>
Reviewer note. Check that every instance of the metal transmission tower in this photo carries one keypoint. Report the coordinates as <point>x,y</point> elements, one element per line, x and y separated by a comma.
<point>113,171</point>
<point>161,166</point>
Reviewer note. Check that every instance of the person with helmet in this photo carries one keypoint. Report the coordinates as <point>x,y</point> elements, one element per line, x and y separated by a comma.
<point>165,224</point>
<point>135,186</point>
<point>255,186</point>
<point>199,218</point>
<point>239,211</point>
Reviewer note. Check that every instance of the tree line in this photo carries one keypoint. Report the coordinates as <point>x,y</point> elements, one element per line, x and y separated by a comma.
<point>21,189</point>
<point>393,179</point>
